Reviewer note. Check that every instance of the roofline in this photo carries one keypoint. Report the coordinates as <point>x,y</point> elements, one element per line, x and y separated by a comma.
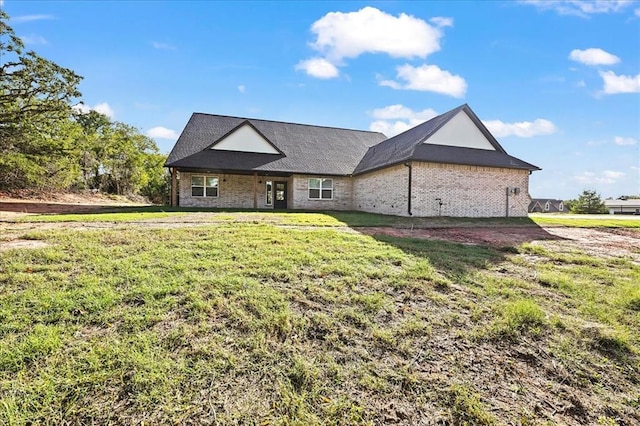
<point>435,129</point>
<point>259,172</point>
<point>242,124</point>
<point>492,140</point>
<point>179,137</point>
<point>441,162</point>
<point>288,122</point>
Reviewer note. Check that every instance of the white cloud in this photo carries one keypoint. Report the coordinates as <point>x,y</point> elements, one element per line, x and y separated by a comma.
<point>620,140</point>
<point>441,21</point>
<point>33,39</point>
<point>105,109</point>
<point>428,78</point>
<point>160,132</point>
<point>637,12</point>
<point>241,88</point>
<point>593,56</point>
<point>342,35</point>
<point>390,128</point>
<point>405,118</point>
<point>102,108</point>
<point>619,83</point>
<point>582,8</point>
<point>318,67</point>
<point>164,46</point>
<point>30,18</point>
<point>522,129</point>
<point>369,30</point>
<point>403,112</point>
<point>606,177</point>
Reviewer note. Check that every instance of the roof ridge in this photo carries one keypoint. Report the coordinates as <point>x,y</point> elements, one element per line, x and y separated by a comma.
<point>289,122</point>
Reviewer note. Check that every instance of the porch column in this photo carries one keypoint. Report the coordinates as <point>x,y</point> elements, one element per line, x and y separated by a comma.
<point>174,187</point>
<point>255,190</point>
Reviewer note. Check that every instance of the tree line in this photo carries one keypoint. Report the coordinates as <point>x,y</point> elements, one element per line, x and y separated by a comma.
<point>47,143</point>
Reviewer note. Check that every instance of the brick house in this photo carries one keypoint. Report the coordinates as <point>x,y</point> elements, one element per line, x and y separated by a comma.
<point>450,165</point>
<point>546,205</point>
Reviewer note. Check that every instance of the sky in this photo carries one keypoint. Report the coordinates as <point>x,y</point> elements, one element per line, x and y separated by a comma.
<point>556,82</point>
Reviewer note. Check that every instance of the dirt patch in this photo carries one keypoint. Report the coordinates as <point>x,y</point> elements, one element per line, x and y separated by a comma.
<point>505,236</point>
<point>21,203</point>
<point>22,244</point>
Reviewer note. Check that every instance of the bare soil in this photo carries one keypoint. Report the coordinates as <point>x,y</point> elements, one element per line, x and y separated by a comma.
<point>602,242</point>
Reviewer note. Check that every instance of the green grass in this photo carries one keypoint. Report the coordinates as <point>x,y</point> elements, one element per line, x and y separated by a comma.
<point>586,221</point>
<point>334,218</point>
<point>292,218</point>
<point>245,322</point>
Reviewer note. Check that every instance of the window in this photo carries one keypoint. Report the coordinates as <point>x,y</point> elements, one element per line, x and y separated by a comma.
<point>320,189</point>
<point>546,207</point>
<point>561,206</point>
<point>269,193</point>
<point>204,186</point>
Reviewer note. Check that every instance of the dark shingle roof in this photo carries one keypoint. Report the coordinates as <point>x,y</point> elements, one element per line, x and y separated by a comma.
<point>327,150</point>
<point>410,145</point>
<point>305,148</point>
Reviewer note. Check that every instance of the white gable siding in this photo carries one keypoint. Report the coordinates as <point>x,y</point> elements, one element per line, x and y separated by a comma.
<point>245,139</point>
<point>460,131</point>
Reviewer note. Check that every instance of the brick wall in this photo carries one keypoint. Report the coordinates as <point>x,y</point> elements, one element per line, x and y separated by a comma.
<point>342,194</point>
<point>234,191</point>
<point>468,191</point>
<point>383,191</point>
<point>465,191</point>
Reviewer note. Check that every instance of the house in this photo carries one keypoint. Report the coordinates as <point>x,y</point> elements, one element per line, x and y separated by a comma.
<point>626,206</point>
<point>450,165</point>
<point>546,205</point>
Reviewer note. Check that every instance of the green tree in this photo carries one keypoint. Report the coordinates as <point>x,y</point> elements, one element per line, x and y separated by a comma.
<point>589,202</point>
<point>568,204</point>
<point>35,107</point>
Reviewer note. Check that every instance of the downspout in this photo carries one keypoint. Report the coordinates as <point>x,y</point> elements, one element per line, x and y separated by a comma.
<point>408,164</point>
<point>507,211</point>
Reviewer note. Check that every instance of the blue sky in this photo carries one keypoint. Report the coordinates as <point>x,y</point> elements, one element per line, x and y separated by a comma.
<point>557,82</point>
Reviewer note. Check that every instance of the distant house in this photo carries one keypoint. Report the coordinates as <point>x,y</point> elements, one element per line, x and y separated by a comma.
<point>546,205</point>
<point>628,206</point>
<point>450,165</point>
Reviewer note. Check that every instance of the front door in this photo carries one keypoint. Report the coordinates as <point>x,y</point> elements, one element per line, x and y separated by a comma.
<point>280,201</point>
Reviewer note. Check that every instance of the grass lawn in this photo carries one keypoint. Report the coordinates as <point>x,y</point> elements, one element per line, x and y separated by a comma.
<point>243,321</point>
<point>337,218</point>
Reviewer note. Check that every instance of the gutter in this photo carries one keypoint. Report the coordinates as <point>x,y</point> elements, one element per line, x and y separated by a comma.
<point>408,164</point>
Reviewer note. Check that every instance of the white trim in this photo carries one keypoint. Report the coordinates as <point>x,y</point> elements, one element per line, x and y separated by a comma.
<point>204,186</point>
<point>266,193</point>
<point>460,131</point>
<point>321,189</point>
<point>245,139</point>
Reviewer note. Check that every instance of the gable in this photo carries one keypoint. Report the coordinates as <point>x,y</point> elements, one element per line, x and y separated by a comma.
<point>462,132</point>
<point>245,139</point>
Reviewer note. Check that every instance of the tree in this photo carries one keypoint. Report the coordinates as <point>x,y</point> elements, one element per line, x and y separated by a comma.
<point>569,204</point>
<point>35,106</point>
<point>47,144</point>
<point>589,202</point>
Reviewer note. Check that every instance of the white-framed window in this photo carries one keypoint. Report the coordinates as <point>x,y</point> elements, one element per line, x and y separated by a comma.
<point>561,207</point>
<point>269,193</point>
<point>546,206</point>
<point>320,189</point>
<point>204,186</point>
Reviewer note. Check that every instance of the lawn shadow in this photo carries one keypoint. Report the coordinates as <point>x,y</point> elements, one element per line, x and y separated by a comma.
<point>500,233</point>
<point>452,259</point>
<point>454,246</point>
